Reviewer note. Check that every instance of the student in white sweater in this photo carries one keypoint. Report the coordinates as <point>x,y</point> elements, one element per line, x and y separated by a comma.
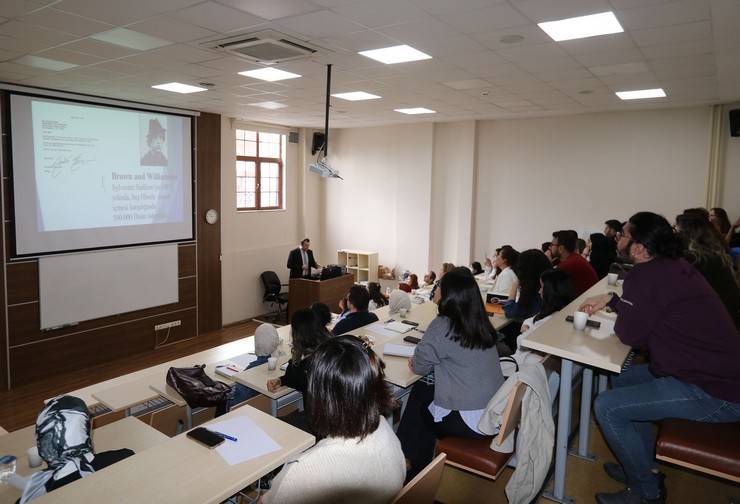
<point>506,283</point>
<point>360,459</point>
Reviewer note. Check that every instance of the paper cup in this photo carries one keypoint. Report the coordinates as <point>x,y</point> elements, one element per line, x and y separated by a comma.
<point>34,459</point>
<point>272,363</point>
<point>403,312</point>
<point>579,320</point>
<point>611,278</point>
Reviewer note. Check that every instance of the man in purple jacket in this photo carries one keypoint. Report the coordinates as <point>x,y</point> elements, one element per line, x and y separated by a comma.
<point>668,309</point>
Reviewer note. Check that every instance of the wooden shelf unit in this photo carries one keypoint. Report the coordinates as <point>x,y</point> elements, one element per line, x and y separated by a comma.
<point>363,265</point>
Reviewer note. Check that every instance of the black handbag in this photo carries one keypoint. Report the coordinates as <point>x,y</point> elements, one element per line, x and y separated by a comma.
<point>197,388</point>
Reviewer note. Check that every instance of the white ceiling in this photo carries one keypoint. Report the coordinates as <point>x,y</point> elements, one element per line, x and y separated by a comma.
<point>691,48</point>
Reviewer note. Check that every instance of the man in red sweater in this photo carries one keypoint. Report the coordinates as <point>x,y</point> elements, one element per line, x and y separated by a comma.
<point>582,274</point>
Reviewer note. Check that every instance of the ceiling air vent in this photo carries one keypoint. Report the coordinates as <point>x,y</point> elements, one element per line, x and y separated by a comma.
<point>266,47</point>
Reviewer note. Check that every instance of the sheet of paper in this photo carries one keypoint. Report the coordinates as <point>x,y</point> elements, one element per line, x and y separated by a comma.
<point>380,329</point>
<point>607,327</point>
<point>399,327</point>
<point>244,360</point>
<point>252,441</point>
<point>398,350</point>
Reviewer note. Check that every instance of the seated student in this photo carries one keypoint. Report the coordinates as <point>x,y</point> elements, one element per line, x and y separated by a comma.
<point>357,301</point>
<point>64,443</point>
<point>530,267</point>
<point>398,300</point>
<point>719,219</point>
<point>581,273</point>
<point>307,333</point>
<point>476,268</point>
<point>266,341</point>
<point>707,254</point>
<point>505,283</point>
<point>460,347</point>
<point>429,278</point>
<point>613,230</point>
<point>411,283</point>
<point>322,311</point>
<point>446,268</point>
<point>582,247</point>
<point>557,292</point>
<point>547,250</point>
<point>377,298</point>
<point>603,254</point>
<point>359,460</point>
<point>668,308</point>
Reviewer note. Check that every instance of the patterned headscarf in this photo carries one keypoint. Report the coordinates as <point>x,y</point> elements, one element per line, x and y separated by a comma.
<point>63,440</point>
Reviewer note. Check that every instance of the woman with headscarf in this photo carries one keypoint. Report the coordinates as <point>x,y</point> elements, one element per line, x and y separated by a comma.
<point>398,300</point>
<point>64,442</point>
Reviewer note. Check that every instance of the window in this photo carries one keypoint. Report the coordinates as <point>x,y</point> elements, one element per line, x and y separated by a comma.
<point>260,158</point>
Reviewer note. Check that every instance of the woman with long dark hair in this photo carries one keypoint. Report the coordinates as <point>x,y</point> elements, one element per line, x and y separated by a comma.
<point>719,219</point>
<point>557,291</point>
<point>603,253</point>
<point>504,285</point>
<point>708,255</point>
<point>460,347</point>
<point>531,265</point>
<point>377,298</point>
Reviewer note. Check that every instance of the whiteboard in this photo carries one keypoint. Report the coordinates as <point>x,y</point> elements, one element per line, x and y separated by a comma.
<point>78,287</point>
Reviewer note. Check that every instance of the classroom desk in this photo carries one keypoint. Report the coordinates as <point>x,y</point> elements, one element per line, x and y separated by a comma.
<point>2,431</point>
<point>127,433</point>
<point>559,338</point>
<point>183,471</point>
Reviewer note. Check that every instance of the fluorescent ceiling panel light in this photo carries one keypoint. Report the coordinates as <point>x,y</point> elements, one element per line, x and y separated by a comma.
<point>177,87</point>
<point>414,111</point>
<point>641,94</point>
<point>269,105</point>
<point>269,74</point>
<point>603,23</point>
<point>395,54</point>
<point>131,39</point>
<point>45,63</point>
<point>356,96</point>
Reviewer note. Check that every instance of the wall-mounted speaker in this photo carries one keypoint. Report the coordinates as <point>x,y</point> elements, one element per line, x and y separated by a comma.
<point>735,123</point>
<point>318,142</point>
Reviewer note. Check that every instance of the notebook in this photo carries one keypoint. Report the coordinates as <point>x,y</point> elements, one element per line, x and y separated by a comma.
<point>398,350</point>
<point>398,327</point>
<point>235,365</point>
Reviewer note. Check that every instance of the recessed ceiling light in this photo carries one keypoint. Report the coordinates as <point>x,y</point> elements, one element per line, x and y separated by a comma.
<point>468,84</point>
<point>45,63</point>
<point>356,96</point>
<point>414,111</point>
<point>177,87</point>
<point>269,105</point>
<point>603,23</point>
<point>395,54</point>
<point>269,74</point>
<point>131,39</point>
<point>511,39</point>
<point>640,94</point>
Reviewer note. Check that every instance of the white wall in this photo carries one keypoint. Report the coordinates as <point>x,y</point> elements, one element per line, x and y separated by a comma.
<point>730,192</point>
<point>383,203</point>
<point>253,242</point>
<point>539,175</point>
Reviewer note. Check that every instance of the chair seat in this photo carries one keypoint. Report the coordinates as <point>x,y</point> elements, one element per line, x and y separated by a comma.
<point>277,298</point>
<point>475,454</point>
<point>714,446</point>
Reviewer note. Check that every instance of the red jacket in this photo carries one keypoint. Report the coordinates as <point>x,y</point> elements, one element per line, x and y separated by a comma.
<point>582,274</point>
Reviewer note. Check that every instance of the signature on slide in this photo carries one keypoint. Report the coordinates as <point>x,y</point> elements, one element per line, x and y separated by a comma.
<point>70,163</point>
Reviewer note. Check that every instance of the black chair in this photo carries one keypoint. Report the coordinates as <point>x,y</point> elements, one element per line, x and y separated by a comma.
<point>273,291</point>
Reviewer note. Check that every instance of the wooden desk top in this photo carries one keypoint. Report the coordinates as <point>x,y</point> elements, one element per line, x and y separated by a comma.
<point>560,338</point>
<point>181,470</point>
<point>129,432</point>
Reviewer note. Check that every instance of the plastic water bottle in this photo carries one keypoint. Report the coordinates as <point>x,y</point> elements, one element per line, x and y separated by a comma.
<point>7,467</point>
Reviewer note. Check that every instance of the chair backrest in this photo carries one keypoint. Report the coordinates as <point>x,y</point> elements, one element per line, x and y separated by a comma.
<point>270,282</point>
<point>512,412</point>
<point>423,488</point>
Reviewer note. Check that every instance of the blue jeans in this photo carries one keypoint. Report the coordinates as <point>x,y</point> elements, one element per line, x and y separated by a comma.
<point>636,400</point>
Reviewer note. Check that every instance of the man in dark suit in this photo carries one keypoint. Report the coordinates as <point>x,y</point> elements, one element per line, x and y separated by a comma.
<point>300,260</point>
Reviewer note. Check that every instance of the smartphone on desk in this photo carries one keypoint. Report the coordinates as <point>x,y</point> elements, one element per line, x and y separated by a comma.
<point>590,323</point>
<point>205,437</point>
<point>411,323</point>
<point>412,339</point>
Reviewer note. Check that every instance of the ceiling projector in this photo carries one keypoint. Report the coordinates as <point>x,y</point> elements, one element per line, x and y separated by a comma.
<point>323,169</point>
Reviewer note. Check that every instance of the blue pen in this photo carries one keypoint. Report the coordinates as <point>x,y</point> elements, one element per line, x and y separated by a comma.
<point>225,436</point>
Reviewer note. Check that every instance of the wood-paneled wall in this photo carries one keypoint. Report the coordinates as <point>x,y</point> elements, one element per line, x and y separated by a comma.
<point>29,354</point>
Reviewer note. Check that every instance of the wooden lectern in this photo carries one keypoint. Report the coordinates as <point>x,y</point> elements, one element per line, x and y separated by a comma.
<point>303,292</point>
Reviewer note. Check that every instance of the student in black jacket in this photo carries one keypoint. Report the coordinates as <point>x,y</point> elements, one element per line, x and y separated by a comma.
<point>358,316</point>
<point>307,333</point>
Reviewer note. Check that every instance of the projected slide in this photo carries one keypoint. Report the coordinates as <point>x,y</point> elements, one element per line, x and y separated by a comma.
<point>85,170</point>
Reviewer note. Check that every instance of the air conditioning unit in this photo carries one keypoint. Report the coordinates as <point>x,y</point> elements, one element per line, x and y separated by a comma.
<point>268,47</point>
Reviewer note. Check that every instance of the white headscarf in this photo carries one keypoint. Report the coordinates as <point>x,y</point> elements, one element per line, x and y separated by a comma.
<point>399,299</point>
<point>266,340</point>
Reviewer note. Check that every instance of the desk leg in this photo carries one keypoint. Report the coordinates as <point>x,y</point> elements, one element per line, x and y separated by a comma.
<point>585,418</point>
<point>561,440</point>
<point>603,382</point>
<point>273,407</point>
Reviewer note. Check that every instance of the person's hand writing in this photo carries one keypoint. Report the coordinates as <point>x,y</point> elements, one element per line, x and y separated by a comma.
<point>595,303</point>
<point>273,384</point>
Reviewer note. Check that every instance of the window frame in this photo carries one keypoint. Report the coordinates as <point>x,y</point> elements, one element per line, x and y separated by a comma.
<point>258,161</point>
